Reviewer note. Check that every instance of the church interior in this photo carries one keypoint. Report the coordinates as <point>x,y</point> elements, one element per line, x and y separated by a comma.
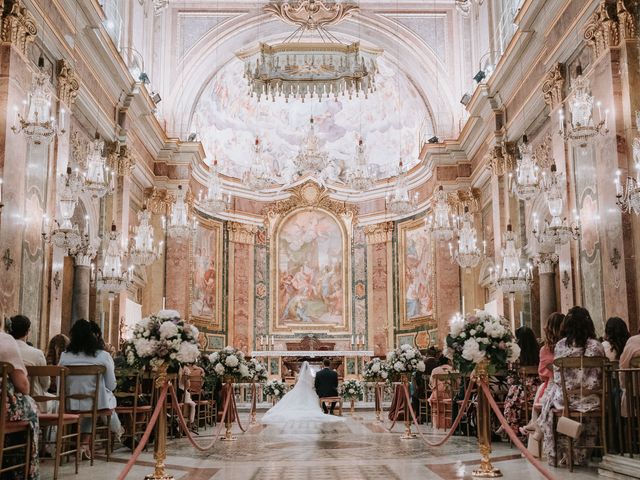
<point>432,198</point>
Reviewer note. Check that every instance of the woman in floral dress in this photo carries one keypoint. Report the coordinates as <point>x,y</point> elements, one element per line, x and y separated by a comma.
<point>515,400</point>
<point>579,340</point>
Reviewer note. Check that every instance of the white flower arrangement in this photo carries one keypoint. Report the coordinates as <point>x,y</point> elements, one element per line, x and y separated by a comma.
<point>351,390</point>
<point>404,360</point>
<point>377,369</point>
<point>162,339</point>
<point>481,336</point>
<point>229,363</point>
<point>275,388</point>
<point>257,371</point>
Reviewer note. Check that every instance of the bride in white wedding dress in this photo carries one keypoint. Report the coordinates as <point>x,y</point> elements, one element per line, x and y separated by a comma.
<point>300,403</point>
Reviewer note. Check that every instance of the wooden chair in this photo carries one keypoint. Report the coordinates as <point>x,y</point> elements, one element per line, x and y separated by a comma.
<point>579,363</point>
<point>61,420</point>
<point>330,400</point>
<point>630,380</point>
<point>88,371</point>
<point>528,375</point>
<point>8,427</point>
<point>442,407</point>
<point>137,416</point>
<point>195,387</point>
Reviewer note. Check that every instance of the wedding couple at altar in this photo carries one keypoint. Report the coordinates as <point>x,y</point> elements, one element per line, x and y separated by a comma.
<point>303,401</point>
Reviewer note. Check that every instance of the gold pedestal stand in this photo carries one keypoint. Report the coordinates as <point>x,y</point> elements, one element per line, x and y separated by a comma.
<point>254,399</point>
<point>228,436</point>
<point>485,469</point>
<point>352,410</point>
<point>160,442</point>
<point>408,434</point>
<point>378,402</point>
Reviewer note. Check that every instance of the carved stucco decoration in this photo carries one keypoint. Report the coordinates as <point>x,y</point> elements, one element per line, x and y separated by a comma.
<point>311,14</point>
<point>380,233</point>
<point>602,30</point>
<point>158,200</point>
<point>552,86</point>
<point>465,198</point>
<point>543,153</point>
<point>18,26</point>
<point>78,150</point>
<point>121,159</point>
<point>501,159</point>
<point>68,83</point>
<point>546,262</point>
<point>309,194</point>
<point>241,233</point>
<point>626,22</point>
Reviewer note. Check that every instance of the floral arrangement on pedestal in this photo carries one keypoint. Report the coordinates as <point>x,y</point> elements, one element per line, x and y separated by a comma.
<point>275,389</point>
<point>162,340</point>
<point>257,371</point>
<point>479,337</point>
<point>376,370</point>
<point>229,364</point>
<point>351,390</point>
<point>404,360</point>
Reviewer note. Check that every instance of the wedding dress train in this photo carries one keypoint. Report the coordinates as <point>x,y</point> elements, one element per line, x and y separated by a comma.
<point>300,403</point>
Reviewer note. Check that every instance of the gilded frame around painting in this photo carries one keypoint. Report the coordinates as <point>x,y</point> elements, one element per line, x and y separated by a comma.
<point>415,228</point>
<point>208,320</point>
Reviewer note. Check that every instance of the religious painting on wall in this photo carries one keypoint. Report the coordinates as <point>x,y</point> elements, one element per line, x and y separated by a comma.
<point>415,272</point>
<point>310,269</point>
<point>205,306</point>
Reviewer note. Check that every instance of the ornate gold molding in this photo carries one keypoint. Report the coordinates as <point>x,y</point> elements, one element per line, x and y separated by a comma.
<point>552,86</point>
<point>602,30</point>
<point>311,14</point>
<point>627,24</point>
<point>380,233</point>
<point>68,83</point>
<point>158,200</point>
<point>465,198</point>
<point>18,26</point>
<point>242,233</point>
<point>501,159</point>
<point>121,158</point>
<point>543,154</point>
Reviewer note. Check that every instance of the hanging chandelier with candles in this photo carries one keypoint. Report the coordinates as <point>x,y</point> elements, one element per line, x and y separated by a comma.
<point>628,195</point>
<point>259,176</point>
<point>400,201</point>
<point>113,277</point>
<point>526,179</point>
<point>321,66</point>
<point>312,160</point>
<point>99,180</point>
<point>467,253</point>
<point>558,231</point>
<point>36,122</point>
<point>179,225</point>
<point>440,224</point>
<point>583,126</point>
<point>511,276</point>
<point>360,176</point>
<point>61,232</point>
<point>143,250</point>
<point>215,200</point>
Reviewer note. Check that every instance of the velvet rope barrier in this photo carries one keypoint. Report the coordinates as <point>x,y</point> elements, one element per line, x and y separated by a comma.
<point>187,432</point>
<point>512,435</point>
<point>147,433</point>
<point>234,406</point>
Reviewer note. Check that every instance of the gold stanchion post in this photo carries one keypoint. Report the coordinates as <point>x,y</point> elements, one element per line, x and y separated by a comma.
<point>485,469</point>
<point>228,437</point>
<point>408,434</point>
<point>353,407</point>
<point>378,402</point>
<point>254,395</point>
<point>160,442</point>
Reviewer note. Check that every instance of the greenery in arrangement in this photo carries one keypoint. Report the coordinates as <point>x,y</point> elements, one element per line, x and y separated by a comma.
<point>229,363</point>
<point>275,388</point>
<point>376,370</point>
<point>162,340</point>
<point>479,337</point>
<point>404,360</point>
<point>257,371</point>
<point>351,390</point>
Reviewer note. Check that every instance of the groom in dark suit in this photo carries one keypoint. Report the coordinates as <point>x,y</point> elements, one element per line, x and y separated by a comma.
<point>326,384</point>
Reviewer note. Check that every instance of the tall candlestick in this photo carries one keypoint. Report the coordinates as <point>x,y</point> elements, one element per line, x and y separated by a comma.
<point>164,300</point>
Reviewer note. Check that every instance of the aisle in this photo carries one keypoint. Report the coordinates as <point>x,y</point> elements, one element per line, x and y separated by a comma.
<point>354,450</point>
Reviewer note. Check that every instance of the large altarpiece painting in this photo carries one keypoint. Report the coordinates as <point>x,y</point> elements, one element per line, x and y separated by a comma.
<point>205,303</point>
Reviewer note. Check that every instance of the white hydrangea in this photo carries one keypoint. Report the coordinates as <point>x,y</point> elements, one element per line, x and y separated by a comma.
<point>244,370</point>
<point>229,349</point>
<point>144,347</point>
<point>420,366</point>
<point>231,361</point>
<point>167,314</point>
<point>514,352</point>
<point>471,351</point>
<point>409,354</point>
<point>406,347</point>
<point>398,366</point>
<point>384,374</point>
<point>188,353</point>
<point>219,368</point>
<point>494,329</point>
<point>168,330</point>
<point>375,367</point>
<point>213,358</point>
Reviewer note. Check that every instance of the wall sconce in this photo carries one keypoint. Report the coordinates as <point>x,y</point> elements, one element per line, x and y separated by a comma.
<point>565,279</point>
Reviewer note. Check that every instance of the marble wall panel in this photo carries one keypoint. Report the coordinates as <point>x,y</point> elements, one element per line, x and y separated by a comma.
<point>177,292</point>
<point>241,294</point>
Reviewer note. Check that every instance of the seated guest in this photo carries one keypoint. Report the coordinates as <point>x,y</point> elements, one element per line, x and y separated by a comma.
<point>579,339</point>
<point>515,400</point>
<point>631,351</point>
<point>616,335</point>
<point>57,345</point>
<point>18,327</point>
<point>440,394</point>
<point>84,349</point>
<point>20,406</point>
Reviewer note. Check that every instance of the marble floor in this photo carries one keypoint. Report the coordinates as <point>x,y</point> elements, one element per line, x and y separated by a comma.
<point>357,449</point>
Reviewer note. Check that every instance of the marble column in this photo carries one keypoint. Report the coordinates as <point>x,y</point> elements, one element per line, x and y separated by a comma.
<point>81,285</point>
<point>546,263</point>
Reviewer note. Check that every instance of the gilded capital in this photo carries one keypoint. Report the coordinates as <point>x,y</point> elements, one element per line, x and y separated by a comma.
<point>602,31</point>
<point>552,86</point>
<point>242,233</point>
<point>546,262</point>
<point>68,83</point>
<point>380,233</point>
<point>18,26</point>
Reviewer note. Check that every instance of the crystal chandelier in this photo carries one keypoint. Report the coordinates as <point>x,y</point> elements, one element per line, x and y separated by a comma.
<point>526,178</point>
<point>557,231</point>
<point>400,202</point>
<point>113,277</point>
<point>467,254</point>
<point>259,176</point>
<point>36,122</point>
<point>440,223</point>
<point>98,179</point>
<point>311,159</point>
<point>179,225</point>
<point>512,278</point>
<point>142,249</point>
<point>62,233</point>
<point>628,196</point>
<point>583,126</point>
<point>321,68</point>
<point>360,177</point>
<point>216,200</point>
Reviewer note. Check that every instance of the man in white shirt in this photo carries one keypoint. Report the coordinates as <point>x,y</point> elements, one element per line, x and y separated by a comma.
<point>18,327</point>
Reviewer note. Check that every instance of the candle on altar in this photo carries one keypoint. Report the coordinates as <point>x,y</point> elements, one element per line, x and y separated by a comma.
<point>164,300</point>
<point>353,342</point>
<point>261,340</point>
<point>273,340</point>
